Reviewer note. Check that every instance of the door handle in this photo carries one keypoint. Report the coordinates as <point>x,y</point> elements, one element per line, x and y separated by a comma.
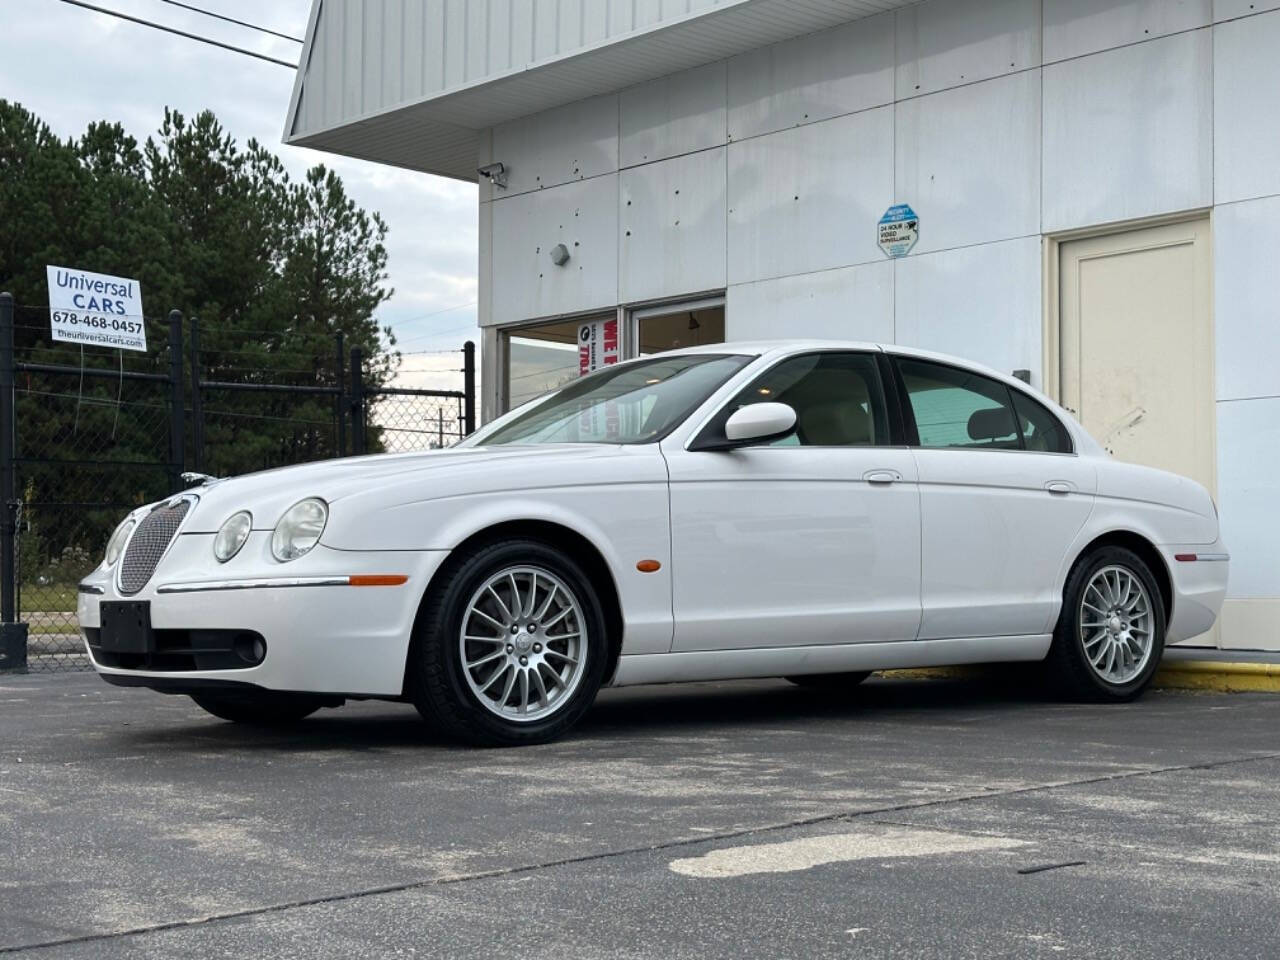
<point>881,476</point>
<point>1060,487</point>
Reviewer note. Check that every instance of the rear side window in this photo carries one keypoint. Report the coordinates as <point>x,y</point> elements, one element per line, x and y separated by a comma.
<point>956,408</point>
<point>1041,430</point>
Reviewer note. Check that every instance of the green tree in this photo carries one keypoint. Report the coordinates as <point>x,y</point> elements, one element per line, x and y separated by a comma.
<point>273,268</point>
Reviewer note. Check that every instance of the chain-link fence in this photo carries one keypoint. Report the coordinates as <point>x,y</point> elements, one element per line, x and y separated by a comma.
<point>89,433</point>
<point>409,420</point>
<point>91,440</point>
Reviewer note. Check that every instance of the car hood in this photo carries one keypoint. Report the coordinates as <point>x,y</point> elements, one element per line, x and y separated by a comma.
<point>386,479</point>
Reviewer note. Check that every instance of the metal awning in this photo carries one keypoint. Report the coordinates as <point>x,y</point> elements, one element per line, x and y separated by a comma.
<point>410,88</point>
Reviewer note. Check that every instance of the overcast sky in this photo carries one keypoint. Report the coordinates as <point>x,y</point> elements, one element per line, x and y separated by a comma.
<point>71,66</point>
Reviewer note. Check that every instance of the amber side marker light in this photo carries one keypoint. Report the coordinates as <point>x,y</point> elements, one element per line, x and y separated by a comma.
<point>648,566</point>
<point>378,580</point>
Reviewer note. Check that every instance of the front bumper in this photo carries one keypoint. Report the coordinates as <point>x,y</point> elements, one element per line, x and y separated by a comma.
<point>322,634</point>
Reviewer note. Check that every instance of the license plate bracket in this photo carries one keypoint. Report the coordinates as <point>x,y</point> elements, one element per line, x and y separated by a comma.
<point>125,626</point>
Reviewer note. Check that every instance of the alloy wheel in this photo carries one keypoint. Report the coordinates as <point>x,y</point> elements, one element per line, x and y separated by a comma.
<point>523,643</point>
<point>1116,624</point>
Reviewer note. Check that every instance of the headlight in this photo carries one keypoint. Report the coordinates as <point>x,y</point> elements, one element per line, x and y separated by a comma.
<point>115,546</point>
<point>232,535</point>
<point>299,529</point>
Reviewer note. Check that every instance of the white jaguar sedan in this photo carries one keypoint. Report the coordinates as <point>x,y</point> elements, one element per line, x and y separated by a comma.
<point>812,510</point>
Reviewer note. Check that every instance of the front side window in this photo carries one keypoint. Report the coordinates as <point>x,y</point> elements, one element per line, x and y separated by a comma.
<point>957,408</point>
<point>632,403</point>
<point>838,399</point>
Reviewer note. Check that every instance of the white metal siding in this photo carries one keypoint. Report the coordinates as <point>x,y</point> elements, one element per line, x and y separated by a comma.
<point>413,82</point>
<point>383,53</point>
<point>582,215</point>
<point>1150,151</point>
<point>794,194</point>
<point>671,223</point>
<point>995,193</point>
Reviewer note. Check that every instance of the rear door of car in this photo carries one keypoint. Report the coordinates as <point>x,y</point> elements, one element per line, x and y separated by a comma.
<point>1002,496</point>
<point>814,539</point>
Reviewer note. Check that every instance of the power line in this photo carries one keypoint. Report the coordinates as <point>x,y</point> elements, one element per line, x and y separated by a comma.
<point>181,33</point>
<point>433,313</point>
<point>238,23</point>
<point>435,334</point>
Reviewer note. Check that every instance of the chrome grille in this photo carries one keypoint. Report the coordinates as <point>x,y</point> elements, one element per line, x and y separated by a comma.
<point>148,544</point>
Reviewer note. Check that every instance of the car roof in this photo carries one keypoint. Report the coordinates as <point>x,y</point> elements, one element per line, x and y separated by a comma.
<point>773,349</point>
<point>783,347</point>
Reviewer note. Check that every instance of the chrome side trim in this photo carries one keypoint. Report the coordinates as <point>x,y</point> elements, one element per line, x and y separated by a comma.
<point>639,668</point>
<point>93,589</point>
<point>258,583</point>
<point>1212,557</point>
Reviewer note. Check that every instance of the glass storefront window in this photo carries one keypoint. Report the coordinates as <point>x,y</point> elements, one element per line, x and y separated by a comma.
<point>680,328</point>
<point>540,358</point>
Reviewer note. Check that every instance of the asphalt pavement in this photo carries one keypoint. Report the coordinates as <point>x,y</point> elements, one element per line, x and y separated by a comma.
<point>904,818</point>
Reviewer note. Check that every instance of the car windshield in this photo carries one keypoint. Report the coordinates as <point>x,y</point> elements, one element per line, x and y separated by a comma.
<point>633,403</point>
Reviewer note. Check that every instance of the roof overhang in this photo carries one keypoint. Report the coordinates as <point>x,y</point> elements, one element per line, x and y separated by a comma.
<point>440,133</point>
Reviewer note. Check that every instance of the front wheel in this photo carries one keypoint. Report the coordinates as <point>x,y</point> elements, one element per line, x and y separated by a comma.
<point>259,708</point>
<point>1110,635</point>
<point>511,646</point>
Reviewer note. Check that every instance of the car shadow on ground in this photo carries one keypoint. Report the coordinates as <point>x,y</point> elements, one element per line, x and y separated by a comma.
<point>638,712</point>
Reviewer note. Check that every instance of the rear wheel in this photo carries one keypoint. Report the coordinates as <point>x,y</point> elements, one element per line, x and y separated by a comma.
<point>511,646</point>
<point>260,708</point>
<point>1110,635</point>
<point>830,681</point>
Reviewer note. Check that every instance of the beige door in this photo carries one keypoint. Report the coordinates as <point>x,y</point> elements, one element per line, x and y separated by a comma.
<point>1136,355</point>
<point>1136,350</point>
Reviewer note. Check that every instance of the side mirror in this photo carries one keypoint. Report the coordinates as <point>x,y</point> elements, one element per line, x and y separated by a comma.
<point>754,423</point>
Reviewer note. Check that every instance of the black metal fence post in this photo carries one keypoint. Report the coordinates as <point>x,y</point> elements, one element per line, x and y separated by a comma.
<point>357,401</point>
<point>339,400</point>
<point>197,410</point>
<point>13,635</point>
<point>177,403</point>
<point>468,387</point>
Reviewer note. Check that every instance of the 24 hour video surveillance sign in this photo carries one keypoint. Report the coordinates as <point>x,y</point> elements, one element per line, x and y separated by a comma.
<point>898,230</point>
<point>95,309</point>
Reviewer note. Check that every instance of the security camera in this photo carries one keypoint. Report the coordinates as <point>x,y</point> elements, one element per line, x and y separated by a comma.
<point>495,173</point>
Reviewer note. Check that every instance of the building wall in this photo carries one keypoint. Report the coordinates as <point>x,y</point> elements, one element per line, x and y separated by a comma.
<point>1001,122</point>
<point>371,55</point>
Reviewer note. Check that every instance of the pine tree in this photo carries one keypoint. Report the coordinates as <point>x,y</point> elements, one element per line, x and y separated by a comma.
<point>273,268</point>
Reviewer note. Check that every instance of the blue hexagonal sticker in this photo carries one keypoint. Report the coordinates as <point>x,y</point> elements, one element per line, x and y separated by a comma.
<point>898,230</point>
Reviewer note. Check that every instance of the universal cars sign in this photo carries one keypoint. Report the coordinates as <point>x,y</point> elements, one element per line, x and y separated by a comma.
<point>95,309</point>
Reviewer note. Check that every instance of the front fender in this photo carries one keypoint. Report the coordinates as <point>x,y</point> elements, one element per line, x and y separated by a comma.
<point>625,522</point>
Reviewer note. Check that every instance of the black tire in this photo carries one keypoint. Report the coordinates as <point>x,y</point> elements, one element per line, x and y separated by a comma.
<point>436,680</point>
<point>1067,664</point>
<point>259,708</point>
<point>830,681</point>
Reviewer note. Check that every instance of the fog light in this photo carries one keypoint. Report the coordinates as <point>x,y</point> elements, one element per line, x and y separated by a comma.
<point>250,648</point>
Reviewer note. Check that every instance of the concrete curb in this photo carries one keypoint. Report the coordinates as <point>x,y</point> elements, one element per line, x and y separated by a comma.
<point>1224,676</point>
<point>1215,675</point>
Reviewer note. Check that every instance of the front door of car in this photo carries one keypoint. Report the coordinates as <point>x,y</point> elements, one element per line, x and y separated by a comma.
<point>1002,496</point>
<point>812,539</point>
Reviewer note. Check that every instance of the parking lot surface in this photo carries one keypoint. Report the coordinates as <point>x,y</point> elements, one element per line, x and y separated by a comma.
<point>900,819</point>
